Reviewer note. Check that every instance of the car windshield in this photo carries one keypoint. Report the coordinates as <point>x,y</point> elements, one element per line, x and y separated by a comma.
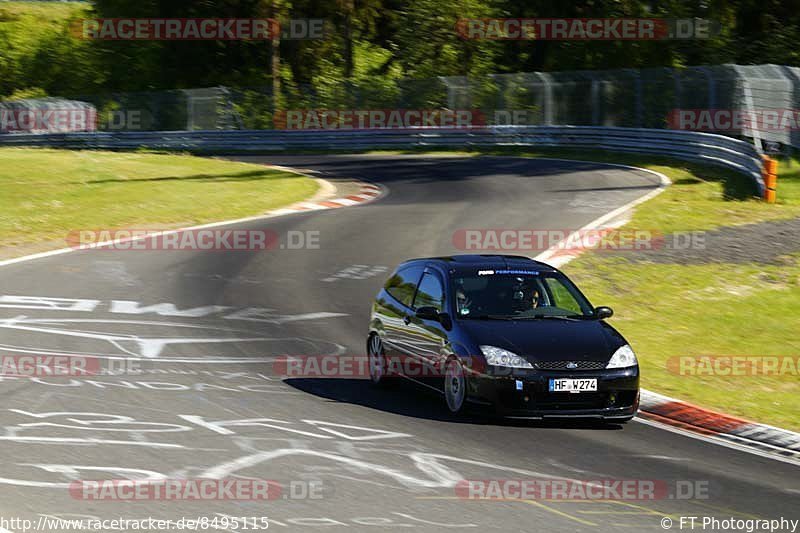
<point>517,294</point>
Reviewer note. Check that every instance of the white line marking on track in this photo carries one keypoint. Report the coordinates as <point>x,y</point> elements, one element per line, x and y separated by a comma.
<point>89,441</point>
<point>718,441</point>
<point>564,259</point>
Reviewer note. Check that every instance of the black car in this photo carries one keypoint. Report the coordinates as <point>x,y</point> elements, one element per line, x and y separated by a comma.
<point>506,332</point>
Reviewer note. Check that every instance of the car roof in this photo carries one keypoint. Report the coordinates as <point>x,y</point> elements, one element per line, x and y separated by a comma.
<point>475,261</point>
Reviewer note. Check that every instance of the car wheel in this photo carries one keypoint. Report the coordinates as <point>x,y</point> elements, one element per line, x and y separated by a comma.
<point>455,386</point>
<point>377,360</point>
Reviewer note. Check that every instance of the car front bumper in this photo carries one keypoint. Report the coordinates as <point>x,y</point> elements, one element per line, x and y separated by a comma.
<point>525,394</point>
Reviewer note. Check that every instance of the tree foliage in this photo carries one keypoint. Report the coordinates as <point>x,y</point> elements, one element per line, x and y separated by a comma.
<point>369,46</point>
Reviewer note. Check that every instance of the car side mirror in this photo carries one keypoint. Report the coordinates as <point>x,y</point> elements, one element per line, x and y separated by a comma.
<point>428,313</point>
<point>603,312</point>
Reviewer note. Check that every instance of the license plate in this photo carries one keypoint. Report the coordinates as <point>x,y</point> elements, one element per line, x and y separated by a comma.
<point>573,385</point>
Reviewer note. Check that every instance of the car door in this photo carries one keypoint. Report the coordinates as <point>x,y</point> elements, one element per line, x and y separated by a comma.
<point>396,310</point>
<point>426,337</point>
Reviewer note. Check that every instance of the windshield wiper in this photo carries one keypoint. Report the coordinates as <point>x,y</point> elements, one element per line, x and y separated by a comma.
<point>489,317</point>
<point>571,318</point>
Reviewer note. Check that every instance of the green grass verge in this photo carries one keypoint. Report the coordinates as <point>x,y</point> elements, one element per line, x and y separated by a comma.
<point>670,310</point>
<point>47,193</point>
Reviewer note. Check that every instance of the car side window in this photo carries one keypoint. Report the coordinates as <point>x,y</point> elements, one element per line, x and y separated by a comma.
<point>561,296</point>
<point>430,293</point>
<point>403,283</point>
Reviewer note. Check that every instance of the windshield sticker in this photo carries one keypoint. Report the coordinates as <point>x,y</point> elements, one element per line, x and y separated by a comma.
<point>514,272</point>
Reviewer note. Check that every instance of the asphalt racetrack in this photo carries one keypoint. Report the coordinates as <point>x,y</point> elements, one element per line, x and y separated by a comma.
<point>204,328</point>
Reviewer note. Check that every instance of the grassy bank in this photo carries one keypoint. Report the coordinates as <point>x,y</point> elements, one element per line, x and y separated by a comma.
<point>47,193</point>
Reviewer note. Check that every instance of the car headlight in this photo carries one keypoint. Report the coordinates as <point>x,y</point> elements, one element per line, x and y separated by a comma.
<point>499,357</point>
<point>623,358</point>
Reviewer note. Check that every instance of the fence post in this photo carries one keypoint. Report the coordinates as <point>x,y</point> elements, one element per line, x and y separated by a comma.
<point>712,87</point>
<point>639,99</point>
<point>677,87</point>
<point>747,96</point>
<point>548,98</point>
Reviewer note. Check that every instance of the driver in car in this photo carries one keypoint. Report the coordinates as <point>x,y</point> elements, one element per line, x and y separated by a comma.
<point>462,302</point>
<point>534,299</point>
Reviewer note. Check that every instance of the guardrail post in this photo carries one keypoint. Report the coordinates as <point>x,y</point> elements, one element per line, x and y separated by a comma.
<point>770,174</point>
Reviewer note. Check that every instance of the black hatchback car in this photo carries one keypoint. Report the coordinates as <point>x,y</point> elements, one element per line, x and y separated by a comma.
<point>505,332</point>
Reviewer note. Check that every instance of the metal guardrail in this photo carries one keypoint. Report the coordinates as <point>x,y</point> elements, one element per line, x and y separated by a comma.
<point>706,148</point>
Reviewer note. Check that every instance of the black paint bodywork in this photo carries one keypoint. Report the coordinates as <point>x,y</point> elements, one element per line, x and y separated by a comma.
<point>549,345</point>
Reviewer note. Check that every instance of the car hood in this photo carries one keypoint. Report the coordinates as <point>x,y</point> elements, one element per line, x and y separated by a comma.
<point>549,339</point>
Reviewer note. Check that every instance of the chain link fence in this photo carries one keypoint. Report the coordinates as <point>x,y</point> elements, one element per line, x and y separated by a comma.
<point>757,102</point>
<point>709,98</point>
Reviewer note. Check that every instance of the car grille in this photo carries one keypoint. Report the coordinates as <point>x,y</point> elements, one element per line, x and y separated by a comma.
<point>562,365</point>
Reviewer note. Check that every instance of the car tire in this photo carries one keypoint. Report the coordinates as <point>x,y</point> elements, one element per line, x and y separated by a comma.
<point>376,360</point>
<point>455,386</point>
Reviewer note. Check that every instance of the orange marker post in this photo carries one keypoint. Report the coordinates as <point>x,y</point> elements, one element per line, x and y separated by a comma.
<point>770,174</point>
